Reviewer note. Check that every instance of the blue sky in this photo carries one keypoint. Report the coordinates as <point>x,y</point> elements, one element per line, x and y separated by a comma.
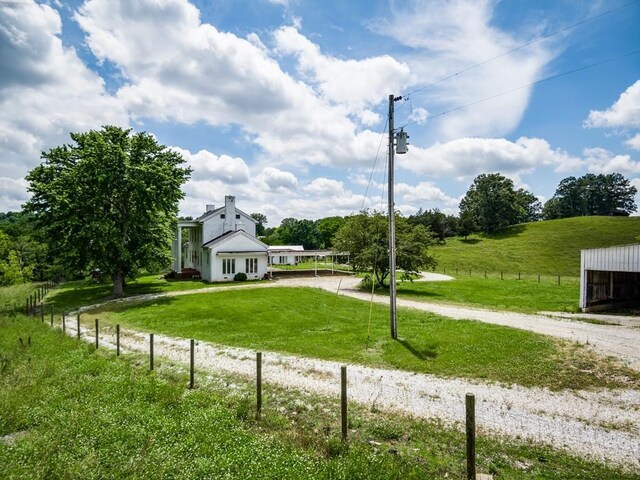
<point>283,103</point>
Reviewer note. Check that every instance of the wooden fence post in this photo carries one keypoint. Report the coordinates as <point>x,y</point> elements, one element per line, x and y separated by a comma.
<point>96,332</point>
<point>42,313</point>
<point>538,278</point>
<point>343,401</point>
<point>470,405</point>
<point>64,322</point>
<point>52,315</point>
<point>258,385</point>
<point>117,340</point>
<point>518,275</point>
<point>151,351</point>
<point>558,279</point>
<point>501,275</point>
<point>191,362</point>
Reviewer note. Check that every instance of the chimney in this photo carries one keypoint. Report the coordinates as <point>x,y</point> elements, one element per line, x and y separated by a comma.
<point>210,208</point>
<point>229,214</point>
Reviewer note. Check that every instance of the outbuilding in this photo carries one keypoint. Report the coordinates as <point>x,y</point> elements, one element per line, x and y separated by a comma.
<point>610,278</point>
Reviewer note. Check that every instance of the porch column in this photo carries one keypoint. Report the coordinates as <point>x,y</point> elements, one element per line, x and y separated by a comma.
<point>179,251</point>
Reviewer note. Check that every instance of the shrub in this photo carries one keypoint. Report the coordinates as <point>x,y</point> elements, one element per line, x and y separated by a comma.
<point>240,277</point>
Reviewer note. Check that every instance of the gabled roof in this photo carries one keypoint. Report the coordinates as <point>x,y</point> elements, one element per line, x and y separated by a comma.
<point>206,215</point>
<point>227,236</point>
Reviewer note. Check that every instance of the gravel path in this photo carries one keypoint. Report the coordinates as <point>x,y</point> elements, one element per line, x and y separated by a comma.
<point>602,425</point>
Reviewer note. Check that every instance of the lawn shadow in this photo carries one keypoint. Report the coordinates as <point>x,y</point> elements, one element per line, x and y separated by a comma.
<point>427,353</point>
<point>470,241</point>
<point>419,293</point>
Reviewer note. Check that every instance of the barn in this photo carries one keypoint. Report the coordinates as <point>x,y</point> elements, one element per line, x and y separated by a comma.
<point>610,278</point>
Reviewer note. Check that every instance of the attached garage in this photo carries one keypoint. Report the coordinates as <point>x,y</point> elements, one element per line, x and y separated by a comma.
<point>610,278</point>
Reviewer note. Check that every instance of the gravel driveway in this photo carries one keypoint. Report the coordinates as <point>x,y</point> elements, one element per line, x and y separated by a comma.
<point>602,425</point>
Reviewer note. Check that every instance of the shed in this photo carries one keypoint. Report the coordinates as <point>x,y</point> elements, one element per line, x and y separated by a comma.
<point>610,278</point>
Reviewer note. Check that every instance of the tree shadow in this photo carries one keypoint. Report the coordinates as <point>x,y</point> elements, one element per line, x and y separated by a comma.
<point>509,232</point>
<point>427,353</point>
<point>471,241</point>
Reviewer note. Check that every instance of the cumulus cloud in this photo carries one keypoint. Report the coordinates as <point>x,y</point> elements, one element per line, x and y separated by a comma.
<point>600,160</point>
<point>177,68</point>
<point>424,193</point>
<point>634,142</point>
<point>46,91</point>
<point>13,193</point>
<point>445,37</point>
<point>276,180</point>
<point>354,83</point>
<point>467,157</point>
<point>625,112</point>
<point>207,165</point>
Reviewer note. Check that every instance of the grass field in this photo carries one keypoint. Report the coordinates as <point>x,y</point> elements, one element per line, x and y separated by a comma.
<point>509,293</point>
<point>68,411</point>
<point>314,323</point>
<point>71,295</point>
<point>549,248</point>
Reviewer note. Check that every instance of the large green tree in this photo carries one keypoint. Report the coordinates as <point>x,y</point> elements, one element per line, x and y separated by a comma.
<point>591,195</point>
<point>365,237</point>
<point>109,200</point>
<point>492,203</point>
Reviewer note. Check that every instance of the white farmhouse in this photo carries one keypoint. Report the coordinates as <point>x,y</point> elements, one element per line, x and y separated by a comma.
<point>221,243</point>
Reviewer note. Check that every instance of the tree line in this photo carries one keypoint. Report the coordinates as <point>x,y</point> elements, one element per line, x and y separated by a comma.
<point>108,201</point>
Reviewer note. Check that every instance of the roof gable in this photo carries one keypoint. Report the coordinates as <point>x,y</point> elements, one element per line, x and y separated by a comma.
<point>228,237</point>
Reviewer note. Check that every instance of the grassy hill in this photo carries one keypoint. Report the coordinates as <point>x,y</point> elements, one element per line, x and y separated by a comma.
<point>548,248</point>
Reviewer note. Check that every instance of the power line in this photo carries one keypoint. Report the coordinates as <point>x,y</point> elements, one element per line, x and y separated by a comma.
<point>552,77</point>
<point>544,37</point>
<point>375,163</point>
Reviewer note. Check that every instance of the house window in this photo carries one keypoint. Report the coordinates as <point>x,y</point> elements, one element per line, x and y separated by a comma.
<point>222,215</point>
<point>283,259</point>
<point>251,265</point>
<point>237,216</point>
<point>228,266</point>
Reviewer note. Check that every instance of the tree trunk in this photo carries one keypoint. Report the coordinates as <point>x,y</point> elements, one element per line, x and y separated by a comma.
<point>118,283</point>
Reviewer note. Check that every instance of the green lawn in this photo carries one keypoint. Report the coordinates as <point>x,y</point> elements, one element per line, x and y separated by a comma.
<point>549,248</point>
<point>68,411</point>
<point>71,295</point>
<point>524,295</point>
<point>313,323</point>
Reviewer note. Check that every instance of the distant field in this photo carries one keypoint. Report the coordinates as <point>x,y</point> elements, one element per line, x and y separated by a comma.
<point>318,324</point>
<point>509,293</point>
<point>549,248</point>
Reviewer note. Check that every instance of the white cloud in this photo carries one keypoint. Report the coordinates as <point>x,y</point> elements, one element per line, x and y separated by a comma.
<point>206,165</point>
<point>467,157</point>
<point>13,193</point>
<point>355,83</point>
<point>634,142</point>
<point>446,37</point>
<point>179,69</point>
<point>424,193</point>
<point>625,112</point>
<point>599,160</point>
<point>275,180</point>
<point>47,91</point>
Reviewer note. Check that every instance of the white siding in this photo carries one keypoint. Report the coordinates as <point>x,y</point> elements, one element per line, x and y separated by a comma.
<point>625,258</point>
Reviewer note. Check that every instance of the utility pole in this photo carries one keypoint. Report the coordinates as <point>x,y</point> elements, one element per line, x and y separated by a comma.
<point>402,148</point>
<point>392,229</point>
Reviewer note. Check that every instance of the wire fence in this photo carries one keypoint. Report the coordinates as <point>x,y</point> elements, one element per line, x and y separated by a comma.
<point>529,414</point>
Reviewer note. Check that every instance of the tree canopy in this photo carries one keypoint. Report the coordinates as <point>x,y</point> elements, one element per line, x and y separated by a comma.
<point>492,203</point>
<point>365,236</point>
<point>109,200</point>
<point>591,195</point>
